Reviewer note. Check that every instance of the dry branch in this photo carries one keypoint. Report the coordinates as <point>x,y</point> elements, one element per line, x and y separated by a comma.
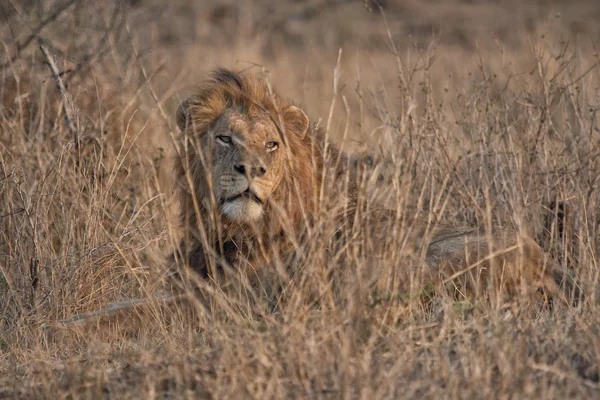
<point>20,46</point>
<point>69,109</point>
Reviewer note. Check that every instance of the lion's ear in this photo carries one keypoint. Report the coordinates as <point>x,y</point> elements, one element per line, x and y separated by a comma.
<point>295,121</point>
<point>183,115</point>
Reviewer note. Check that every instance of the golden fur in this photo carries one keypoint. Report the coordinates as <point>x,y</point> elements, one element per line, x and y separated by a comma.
<point>242,108</point>
<point>243,198</point>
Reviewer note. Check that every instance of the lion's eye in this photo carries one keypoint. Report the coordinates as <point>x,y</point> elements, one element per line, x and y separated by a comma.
<point>224,139</point>
<point>271,146</point>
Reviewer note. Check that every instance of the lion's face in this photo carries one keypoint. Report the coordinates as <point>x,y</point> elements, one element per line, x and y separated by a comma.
<point>243,145</point>
<point>247,163</point>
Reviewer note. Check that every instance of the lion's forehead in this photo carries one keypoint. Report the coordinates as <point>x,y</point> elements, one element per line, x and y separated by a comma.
<point>254,128</point>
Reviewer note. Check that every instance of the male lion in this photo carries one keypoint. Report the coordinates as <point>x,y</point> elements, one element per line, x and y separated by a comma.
<point>252,175</point>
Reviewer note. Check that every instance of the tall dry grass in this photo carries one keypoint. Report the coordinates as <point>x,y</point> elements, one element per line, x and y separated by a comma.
<point>470,125</point>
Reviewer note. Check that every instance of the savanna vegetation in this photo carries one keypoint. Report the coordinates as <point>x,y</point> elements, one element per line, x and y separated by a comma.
<point>473,112</point>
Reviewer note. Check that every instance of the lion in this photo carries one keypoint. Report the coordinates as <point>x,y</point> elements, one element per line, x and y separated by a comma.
<point>252,174</point>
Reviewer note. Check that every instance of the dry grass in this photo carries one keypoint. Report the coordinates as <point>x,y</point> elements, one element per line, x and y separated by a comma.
<point>478,116</point>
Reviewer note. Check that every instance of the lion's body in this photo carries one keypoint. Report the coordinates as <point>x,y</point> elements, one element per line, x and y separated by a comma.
<point>513,262</point>
<point>251,172</point>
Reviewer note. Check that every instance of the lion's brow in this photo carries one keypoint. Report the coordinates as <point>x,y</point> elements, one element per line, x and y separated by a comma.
<point>238,125</point>
<point>275,121</point>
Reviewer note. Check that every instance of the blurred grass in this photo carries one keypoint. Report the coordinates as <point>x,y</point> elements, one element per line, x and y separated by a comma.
<point>491,106</point>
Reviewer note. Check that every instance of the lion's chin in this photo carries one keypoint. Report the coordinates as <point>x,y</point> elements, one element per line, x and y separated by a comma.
<point>242,210</point>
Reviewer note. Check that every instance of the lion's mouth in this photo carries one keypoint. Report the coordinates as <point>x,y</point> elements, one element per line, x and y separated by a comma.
<point>248,194</point>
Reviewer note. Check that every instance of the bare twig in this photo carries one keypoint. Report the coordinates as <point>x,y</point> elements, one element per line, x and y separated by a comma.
<point>20,46</point>
<point>117,22</point>
<point>69,108</point>
<point>10,214</point>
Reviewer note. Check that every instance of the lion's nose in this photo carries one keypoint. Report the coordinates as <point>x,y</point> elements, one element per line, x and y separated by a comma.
<point>255,172</point>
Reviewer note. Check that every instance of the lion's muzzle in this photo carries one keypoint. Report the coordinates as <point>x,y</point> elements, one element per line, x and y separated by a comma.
<point>240,200</point>
<point>246,194</point>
